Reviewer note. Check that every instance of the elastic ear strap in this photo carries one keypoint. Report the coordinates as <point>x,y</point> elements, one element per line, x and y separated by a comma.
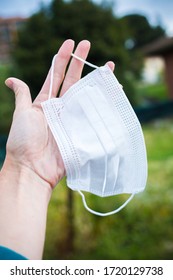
<point>84,61</point>
<point>108,213</point>
<point>53,66</point>
<point>51,76</point>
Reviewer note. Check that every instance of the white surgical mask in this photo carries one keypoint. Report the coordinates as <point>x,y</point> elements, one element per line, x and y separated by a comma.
<point>99,137</point>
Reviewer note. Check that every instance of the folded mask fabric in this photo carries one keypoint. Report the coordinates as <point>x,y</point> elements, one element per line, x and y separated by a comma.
<point>99,137</point>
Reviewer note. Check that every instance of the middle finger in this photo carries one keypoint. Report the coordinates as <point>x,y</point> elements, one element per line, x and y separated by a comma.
<point>75,68</point>
<point>61,61</point>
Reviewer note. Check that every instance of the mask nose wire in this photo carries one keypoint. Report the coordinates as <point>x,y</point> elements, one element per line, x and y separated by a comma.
<point>53,66</point>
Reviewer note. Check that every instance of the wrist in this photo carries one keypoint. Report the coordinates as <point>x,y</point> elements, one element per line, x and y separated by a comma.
<point>24,199</point>
<point>18,175</point>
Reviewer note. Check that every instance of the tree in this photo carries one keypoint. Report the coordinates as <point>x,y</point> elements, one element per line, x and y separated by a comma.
<point>140,31</point>
<point>45,31</point>
<point>33,52</point>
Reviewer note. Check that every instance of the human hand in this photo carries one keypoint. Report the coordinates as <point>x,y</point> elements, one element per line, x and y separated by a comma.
<point>33,162</point>
<point>30,143</point>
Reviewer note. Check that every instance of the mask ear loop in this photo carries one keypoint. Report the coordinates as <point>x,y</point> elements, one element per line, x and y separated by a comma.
<point>53,66</point>
<point>84,61</point>
<point>51,76</point>
<point>107,213</point>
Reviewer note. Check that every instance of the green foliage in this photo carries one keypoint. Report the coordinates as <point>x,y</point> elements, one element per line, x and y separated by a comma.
<point>45,31</point>
<point>152,92</point>
<point>6,100</point>
<point>143,230</point>
<point>33,54</point>
<point>140,30</point>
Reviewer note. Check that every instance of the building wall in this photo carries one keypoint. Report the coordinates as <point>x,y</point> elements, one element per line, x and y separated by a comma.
<point>163,48</point>
<point>153,69</point>
<point>8,36</point>
<point>169,72</point>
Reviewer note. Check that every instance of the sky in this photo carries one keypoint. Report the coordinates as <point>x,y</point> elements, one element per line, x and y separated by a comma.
<point>157,11</point>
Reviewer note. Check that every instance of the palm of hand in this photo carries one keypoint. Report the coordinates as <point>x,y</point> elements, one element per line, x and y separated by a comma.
<point>31,144</point>
<point>30,141</point>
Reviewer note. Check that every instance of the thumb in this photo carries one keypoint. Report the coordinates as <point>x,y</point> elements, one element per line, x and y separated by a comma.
<point>22,93</point>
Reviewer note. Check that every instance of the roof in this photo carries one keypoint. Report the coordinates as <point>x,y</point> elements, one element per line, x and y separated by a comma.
<point>161,47</point>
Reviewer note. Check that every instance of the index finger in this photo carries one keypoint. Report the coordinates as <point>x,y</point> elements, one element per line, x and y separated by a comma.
<point>61,62</point>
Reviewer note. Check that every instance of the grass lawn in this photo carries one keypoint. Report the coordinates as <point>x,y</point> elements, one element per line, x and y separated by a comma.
<point>143,230</point>
<point>154,92</point>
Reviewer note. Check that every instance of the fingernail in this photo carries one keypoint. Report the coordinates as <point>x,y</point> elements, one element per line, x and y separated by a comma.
<point>9,83</point>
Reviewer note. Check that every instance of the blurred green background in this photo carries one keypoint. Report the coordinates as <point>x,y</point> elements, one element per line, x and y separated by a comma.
<point>144,229</point>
